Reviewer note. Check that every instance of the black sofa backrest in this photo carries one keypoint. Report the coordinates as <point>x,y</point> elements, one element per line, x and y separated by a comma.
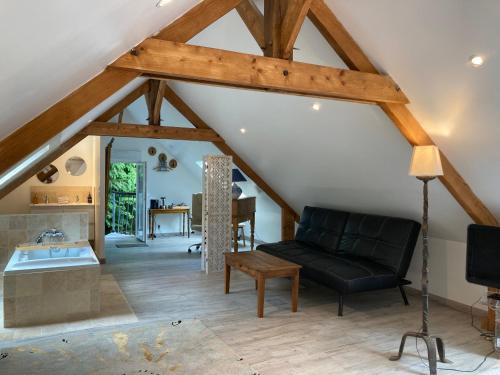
<point>388,241</point>
<point>321,227</point>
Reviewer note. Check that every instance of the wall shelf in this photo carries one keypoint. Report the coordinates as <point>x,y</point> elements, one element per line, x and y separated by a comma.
<point>62,205</point>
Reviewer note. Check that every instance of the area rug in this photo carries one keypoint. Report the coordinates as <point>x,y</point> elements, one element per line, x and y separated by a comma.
<point>153,348</point>
<point>127,245</point>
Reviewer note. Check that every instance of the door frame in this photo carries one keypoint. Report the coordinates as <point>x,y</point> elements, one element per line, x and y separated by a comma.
<point>143,217</point>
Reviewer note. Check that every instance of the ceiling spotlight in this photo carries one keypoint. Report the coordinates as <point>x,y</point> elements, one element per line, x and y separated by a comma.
<point>162,3</point>
<point>476,61</point>
<point>316,106</point>
<point>243,130</point>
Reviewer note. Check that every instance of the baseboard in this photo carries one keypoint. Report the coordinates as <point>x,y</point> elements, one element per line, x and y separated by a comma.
<point>477,312</point>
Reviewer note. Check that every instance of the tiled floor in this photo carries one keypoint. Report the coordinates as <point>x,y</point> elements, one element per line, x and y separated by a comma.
<point>114,310</point>
<point>163,281</point>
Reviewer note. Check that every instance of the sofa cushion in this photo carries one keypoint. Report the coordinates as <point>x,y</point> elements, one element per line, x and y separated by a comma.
<point>346,274</point>
<point>293,251</point>
<point>321,228</point>
<point>387,241</point>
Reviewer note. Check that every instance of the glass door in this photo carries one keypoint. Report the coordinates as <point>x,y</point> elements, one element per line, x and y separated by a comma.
<point>140,217</point>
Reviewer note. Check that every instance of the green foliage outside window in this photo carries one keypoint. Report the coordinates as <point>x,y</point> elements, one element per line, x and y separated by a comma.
<point>122,180</point>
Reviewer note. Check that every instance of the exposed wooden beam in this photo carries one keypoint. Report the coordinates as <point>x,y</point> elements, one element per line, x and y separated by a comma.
<point>287,225</point>
<point>150,131</point>
<point>158,102</point>
<point>354,57</point>
<point>295,14</point>
<point>197,19</point>
<point>210,65</point>
<point>154,100</point>
<point>274,11</point>
<point>124,103</point>
<point>197,122</point>
<point>254,20</point>
<point>40,164</point>
<point>51,122</point>
<point>150,98</point>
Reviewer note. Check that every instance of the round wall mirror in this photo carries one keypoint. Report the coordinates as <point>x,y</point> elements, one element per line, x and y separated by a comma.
<point>48,175</point>
<point>75,166</point>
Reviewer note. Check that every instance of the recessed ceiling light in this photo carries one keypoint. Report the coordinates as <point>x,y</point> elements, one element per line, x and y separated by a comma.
<point>476,61</point>
<point>162,3</point>
<point>316,106</point>
<point>243,130</point>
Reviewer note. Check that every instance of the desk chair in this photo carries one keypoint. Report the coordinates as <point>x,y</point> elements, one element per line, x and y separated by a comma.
<point>196,217</point>
<point>196,221</point>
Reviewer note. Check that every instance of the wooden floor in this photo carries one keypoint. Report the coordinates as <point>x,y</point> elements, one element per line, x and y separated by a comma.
<point>164,281</point>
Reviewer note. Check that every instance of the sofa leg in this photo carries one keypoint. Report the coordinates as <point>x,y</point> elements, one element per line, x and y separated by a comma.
<point>341,305</point>
<point>403,294</point>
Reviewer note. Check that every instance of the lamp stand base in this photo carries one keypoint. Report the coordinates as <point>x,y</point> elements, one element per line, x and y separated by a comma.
<point>432,342</point>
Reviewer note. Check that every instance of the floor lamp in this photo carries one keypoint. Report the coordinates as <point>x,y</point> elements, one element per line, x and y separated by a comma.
<point>425,165</point>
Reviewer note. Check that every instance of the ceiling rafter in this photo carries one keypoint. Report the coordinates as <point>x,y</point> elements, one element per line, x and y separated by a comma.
<point>197,122</point>
<point>210,65</point>
<point>254,20</point>
<point>346,47</point>
<point>124,103</point>
<point>116,109</point>
<point>28,137</point>
<point>274,11</point>
<point>295,15</point>
<point>196,19</point>
<point>150,131</point>
<point>154,101</point>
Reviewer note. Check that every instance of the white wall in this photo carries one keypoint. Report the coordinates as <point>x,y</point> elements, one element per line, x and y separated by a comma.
<point>446,271</point>
<point>186,179</point>
<point>177,185</point>
<point>18,201</point>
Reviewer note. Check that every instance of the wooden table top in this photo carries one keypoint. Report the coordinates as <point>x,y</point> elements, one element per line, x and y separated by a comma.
<point>174,209</point>
<point>259,261</point>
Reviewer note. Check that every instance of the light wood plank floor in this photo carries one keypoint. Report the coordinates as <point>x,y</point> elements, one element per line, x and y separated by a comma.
<point>164,282</point>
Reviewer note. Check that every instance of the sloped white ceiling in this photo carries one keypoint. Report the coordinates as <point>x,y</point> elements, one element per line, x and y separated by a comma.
<point>50,48</point>
<point>346,155</point>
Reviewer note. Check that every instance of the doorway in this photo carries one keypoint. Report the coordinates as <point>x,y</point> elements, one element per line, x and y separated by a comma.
<point>126,211</point>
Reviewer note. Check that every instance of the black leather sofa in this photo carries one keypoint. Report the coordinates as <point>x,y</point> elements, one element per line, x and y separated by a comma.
<point>350,252</point>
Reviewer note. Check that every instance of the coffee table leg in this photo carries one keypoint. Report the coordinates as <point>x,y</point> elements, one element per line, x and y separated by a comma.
<point>295,291</point>
<point>261,286</point>
<point>227,277</point>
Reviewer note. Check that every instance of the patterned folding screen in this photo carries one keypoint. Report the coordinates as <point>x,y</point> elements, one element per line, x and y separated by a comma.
<point>216,219</point>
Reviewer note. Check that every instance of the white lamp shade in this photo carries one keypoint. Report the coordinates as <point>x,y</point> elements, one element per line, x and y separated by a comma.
<point>425,162</point>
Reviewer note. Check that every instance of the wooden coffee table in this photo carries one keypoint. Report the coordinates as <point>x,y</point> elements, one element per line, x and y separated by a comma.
<point>262,266</point>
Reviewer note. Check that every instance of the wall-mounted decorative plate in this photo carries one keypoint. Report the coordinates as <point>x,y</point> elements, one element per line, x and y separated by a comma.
<point>172,163</point>
<point>152,151</point>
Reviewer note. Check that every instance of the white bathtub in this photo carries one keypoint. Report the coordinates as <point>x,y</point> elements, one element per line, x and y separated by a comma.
<point>53,258</point>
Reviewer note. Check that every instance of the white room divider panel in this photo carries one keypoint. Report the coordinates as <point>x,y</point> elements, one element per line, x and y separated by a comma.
<point>216,222</point>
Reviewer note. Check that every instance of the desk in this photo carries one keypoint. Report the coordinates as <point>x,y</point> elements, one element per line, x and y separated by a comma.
<point>243,210</point>
<point>153,212</point>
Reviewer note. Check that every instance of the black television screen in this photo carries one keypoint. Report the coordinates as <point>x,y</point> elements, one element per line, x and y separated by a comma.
<point>483,255</point>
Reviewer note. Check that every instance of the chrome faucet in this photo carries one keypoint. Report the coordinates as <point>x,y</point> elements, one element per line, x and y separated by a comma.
<point>53,234</point>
